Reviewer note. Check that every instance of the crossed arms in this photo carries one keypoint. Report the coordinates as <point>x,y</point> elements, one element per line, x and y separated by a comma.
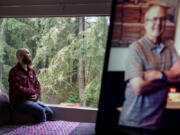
<point>148,83</point>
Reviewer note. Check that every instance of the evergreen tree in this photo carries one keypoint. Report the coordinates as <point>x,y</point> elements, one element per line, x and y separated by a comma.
<point>60,48</point>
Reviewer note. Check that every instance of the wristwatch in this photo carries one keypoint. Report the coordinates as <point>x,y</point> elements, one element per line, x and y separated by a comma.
<point>163,76</point>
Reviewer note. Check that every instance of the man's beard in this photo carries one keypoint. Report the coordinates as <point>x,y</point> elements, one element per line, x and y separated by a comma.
<point>27,60</point>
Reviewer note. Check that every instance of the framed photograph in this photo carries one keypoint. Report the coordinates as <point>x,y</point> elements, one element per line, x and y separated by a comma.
<point>127,26</point>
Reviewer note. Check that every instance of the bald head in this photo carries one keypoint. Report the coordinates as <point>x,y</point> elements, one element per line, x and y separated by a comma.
<point>24,56</point>
<point>155,22</point>
<point>153,11</point>
<point>20,52</point>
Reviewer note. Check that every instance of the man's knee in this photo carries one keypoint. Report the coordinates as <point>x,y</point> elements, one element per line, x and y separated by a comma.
<point>49,113</point>
<point>40,115</point>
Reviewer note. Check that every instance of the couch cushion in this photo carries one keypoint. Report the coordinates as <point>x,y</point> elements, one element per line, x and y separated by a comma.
<point>19,117</point>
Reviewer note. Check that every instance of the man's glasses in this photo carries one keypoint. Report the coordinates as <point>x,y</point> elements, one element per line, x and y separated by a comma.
<point>155,19</point>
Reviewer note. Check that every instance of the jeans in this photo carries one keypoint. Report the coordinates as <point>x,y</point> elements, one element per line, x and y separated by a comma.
<point>37,109</point>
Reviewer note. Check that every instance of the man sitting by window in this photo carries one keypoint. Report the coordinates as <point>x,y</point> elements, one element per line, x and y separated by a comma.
<point>24,88</point>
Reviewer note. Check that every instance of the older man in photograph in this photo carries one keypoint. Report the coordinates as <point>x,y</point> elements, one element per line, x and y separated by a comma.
<point>152,64</point>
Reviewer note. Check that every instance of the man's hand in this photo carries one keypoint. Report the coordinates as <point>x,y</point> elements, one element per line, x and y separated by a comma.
<point>150,75</point>
<point>176,66</point>
<point>33,97</point>
<point>175,71</point>
<point>173,74</point>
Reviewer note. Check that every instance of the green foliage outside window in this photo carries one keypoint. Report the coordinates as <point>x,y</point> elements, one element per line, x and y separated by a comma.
<point>57,45</point>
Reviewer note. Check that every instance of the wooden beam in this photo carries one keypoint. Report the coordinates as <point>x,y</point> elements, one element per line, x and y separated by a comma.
<point>50,2</point>
<point>34,8</point>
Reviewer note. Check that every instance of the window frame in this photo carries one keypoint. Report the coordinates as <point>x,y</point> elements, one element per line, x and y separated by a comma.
<point>59,8</point>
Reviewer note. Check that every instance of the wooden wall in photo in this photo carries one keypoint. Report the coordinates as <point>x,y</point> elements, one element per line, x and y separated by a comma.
<point>128,24</point>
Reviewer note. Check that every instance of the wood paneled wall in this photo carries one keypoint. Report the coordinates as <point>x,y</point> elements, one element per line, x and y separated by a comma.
<point>129,21</point>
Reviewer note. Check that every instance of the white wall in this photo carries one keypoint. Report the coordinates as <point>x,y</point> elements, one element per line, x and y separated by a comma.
<point>117,58</point>
<point>177,36</point>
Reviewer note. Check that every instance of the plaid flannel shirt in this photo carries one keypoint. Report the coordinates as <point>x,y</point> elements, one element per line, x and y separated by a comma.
<point>22,84</point>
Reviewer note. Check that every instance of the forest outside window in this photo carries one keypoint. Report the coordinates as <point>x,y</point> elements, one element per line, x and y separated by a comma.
<point>68,55</point>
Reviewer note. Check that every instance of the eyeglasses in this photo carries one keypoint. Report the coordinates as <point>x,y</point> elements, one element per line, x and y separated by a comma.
<point>155,19</point>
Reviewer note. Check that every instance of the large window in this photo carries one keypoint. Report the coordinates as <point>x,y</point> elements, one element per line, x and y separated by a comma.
<point>68,55</point>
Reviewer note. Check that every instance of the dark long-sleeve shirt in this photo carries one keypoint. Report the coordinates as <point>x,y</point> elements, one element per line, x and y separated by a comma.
<point>22,84</point>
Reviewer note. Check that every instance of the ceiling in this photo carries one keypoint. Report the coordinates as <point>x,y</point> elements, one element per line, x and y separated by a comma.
<point>34,8</point>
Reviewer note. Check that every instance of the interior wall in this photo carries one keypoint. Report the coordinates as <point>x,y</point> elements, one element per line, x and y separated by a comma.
<point>117,58</point>
<point>177,40</point>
